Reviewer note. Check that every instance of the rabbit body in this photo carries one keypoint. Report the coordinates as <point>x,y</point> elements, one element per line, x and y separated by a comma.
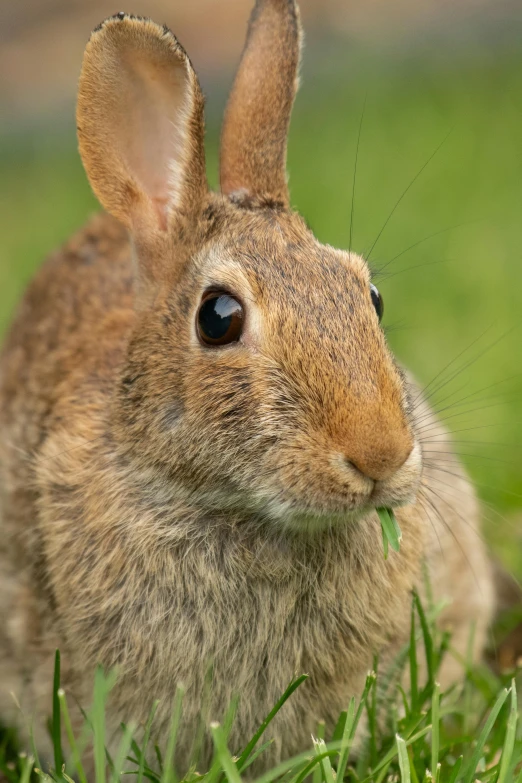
<point>106,561</point>
<point>166,507</point>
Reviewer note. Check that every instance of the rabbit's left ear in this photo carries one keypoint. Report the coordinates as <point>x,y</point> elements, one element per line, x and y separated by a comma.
<point>140,124</point>
<point>257,117</point>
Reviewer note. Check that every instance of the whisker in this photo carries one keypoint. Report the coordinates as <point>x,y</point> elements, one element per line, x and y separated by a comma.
<point>431,236</point>
<point>415,178</point>
<point>352,208</point>
<point>396,326</point>
<point>461,400</point>
<point>478,443</point>
<point>452,532</point>
<point>389,275</point>
<point>464,429</point>
<point>481,395</point>
<point>423,392</point>
<point>475,483</point>
<point>421,501</point>
<point>457,454</point>
<point>466,412</point>
<point>454,510</point>
<point>471,362</point>
<point>442,419</point>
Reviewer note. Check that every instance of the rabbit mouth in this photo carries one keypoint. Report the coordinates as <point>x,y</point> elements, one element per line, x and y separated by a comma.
<point>337,493</point>
<point>296,514</point>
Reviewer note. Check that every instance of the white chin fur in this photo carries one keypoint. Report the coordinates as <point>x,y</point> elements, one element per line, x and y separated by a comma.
<point>400,490</point>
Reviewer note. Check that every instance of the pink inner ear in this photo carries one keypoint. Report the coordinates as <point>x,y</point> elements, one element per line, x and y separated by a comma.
<point>152,131</point>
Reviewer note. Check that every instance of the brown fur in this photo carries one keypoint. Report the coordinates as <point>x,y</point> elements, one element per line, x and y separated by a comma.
<point>166,506</point>
<point>255,128</point>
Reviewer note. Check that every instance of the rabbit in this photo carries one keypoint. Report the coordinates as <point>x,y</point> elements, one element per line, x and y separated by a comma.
<point>200,415</point>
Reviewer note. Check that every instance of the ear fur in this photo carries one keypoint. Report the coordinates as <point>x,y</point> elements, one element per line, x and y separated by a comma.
<point>140,123</point>
<point>257,117</point>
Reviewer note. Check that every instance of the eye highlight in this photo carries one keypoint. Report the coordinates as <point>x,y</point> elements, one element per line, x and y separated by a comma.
<point>220,319</point>
<point>377,301</point>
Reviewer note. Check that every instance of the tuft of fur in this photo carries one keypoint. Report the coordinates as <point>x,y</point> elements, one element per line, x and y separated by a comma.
<point>166,507</point>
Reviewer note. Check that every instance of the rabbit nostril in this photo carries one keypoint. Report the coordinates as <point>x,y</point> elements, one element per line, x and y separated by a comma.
<point>381,465</point>
<point>350,464</point>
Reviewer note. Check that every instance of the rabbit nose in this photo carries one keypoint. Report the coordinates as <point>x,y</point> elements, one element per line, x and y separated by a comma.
<point>381,462</point>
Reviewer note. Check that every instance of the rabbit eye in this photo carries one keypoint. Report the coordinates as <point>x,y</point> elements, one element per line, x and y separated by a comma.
<point>377,301</point>
<point>219,319</point>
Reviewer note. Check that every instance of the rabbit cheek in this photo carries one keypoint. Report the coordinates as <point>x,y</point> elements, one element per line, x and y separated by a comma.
<point>170,416</point>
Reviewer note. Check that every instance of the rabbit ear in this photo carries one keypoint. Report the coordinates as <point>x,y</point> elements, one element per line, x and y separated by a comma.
<point>255,129</point>
<point>140,123</point>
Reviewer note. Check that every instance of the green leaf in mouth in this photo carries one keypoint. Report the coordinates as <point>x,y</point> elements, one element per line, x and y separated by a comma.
<point>391,532</point>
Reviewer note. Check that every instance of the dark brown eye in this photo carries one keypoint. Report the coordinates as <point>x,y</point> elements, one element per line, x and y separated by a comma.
<point>219,319</point>
<point>377,301</point>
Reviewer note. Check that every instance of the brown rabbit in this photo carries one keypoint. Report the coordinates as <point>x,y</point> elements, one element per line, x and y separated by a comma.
<point>199,416</point>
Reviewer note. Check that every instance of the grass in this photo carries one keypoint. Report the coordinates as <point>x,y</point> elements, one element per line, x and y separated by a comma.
<point>436,204</point>
<point>467,733</point>
<point>391,532</point>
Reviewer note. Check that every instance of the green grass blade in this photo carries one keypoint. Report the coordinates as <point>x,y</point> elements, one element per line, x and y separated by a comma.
<point>76,759</point>
<point>159,758</point>
<point>404,762</point>
<point>427,637</point>
<point>414,675</point>
<point>146,738</point>
<point>455,770</point>
<point>257,752</point>
<point>346,740</point>
<point>121,755</point>
<point>56,723</point>
<point>215,769</point>
<point>509,741</point>
<point>371,679</point>
<point>385,762</point>
<point>44,776</point>
<point>34,749</point>
<point>413,773</point>
<point>230,715</point>
<point>311,766</point>
<point>385,545</point>
<point>271,715</point>
<point>25,777</point>
<point>98,725</point>
<point>203,718</point>
<point>325,763</point>
<point>168,774</point>
<point>435,729</point>
<point>338,732</point>
<point>317,776</point>
<point>227,762</point>
<point>468,775</point>
<point>371,712</point>
<point>398,531</point>
<point>390,528</point>
<point>305,771</point>
<point>295,761</point>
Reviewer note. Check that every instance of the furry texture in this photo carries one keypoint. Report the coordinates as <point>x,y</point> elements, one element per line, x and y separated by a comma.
<point>255,128</point>
<point>165,506</point>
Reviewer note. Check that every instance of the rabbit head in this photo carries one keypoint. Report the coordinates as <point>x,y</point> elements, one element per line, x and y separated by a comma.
<point>257,380</point>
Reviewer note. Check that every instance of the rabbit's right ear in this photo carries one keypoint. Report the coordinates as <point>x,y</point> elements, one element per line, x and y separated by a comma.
<point>140,124</point>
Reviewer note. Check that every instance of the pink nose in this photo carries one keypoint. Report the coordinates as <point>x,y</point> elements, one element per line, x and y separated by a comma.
<point>378,458</point>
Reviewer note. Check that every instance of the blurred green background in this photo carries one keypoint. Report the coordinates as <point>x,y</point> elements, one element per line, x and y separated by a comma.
<point>452,249</point>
